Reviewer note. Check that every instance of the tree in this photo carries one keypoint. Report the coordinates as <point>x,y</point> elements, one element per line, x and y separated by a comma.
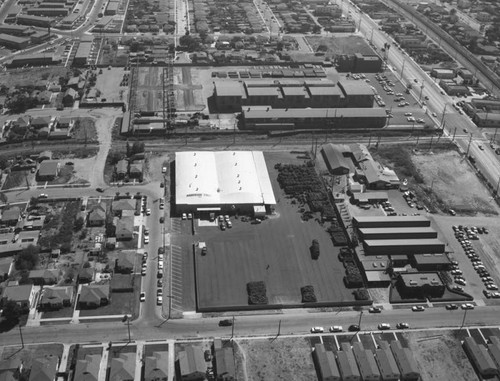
<point>28,258</point>
<point>137,147</point>
<point>12,311</point>
<point>20,103</point>
<point>78,225</point>
<point>114,157</point>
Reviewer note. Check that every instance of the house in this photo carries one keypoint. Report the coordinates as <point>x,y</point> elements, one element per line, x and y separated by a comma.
<point>40,122</point>
<point>44,277</point>
<point>44,368</point>
<point>136,169</point>
<point>85,275</point>
<point>190,364</point>
<point>93,296</point>
<point>55,298</point>
<point>121,169</point>
<point>125,228</point>
<point>10,216</point>
<point>48,170</point>
<point>10,368</point>
<point>97,216</point>
<point>121,205</point>
<point>125,263</point>
<point>224,357</point>
<point>23,295</point>
<point>65,123</point>
<point>69,97</point>
<point>88,368</point>
<point>156,367</point>
<point>123,368</point>
<point>21,125</point>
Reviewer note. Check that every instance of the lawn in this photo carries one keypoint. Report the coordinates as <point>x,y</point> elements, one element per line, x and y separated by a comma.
<point>439,356</point>
<point>341,45</point>
<point>31,352</point>
<point>85,130</point>
<point>282,359</point>
<point>62,313</point>
<point>276,252</point>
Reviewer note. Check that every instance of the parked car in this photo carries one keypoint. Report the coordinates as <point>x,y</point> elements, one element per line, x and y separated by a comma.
<point>418,308</point>
<point>159,300</point>
<point>317,330</point>
<point>336,328</point>
<point>143,297</point>
<point>451,307</point>
<point>354,328</point>
<point>467,306</point>
<point>384,326</point>
<point>184,216</point>
<point>100,190</point>
<point>225,323</point>
<point>402,326</point>
<point>375,310</point>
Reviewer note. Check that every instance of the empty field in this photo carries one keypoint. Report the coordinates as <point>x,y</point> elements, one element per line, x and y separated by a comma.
<point>276,252</point>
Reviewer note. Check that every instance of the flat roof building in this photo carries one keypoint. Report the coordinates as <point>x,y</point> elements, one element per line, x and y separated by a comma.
<point>406,363</point>
<point>41,21</point>
<point>390,221</point>
<point>82,54</point>
<point>366,363</point>
<point>225,181</point>
<point>347,364</point>
<point>386,362</point>
<point>397,233</point>
<point>325,362</point>
<point>403,246</point>
<point>480,357</point>
<point>14,42</point>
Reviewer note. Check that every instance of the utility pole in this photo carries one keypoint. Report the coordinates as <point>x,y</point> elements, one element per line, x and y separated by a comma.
<point>454,133</point>
<point>421,91</point>
<point>279,329</point>
<point>494,136</point>
<point>430,146</point>
<point>402,68</point>
<point>232,330</point>
<point>498,186</point>
<point>468,146</point>
<point>442,118</point>
<point>21,335</point>
<point>463,320</point>
<point>125,319</point>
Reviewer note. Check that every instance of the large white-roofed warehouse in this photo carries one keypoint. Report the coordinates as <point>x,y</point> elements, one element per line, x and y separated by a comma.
<point>226,181</point>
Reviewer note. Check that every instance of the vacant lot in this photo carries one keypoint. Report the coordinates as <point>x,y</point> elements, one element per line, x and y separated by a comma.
<point>276,252</point>
<point>16,179</point>
<point>440,356</point>
<point>108,83</point>
<point>149,89</point>
<point>280,359</point>
<point>340,44</point>
<point>454,184</point>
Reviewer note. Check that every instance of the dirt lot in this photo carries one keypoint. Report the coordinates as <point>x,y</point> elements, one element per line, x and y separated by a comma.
<point>266,360</point>
<point>276,252</point>
<point>440,356</point>
<point>108,83</point>
<point>31,77</point>
<point>149,89</point>
<point>341,44</point>
<point>454,184</point>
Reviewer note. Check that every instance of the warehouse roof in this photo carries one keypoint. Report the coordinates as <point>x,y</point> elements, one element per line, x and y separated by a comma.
<point>228,88</point>
<point>392,219</point>
<point>437,259</point>
<point>226,177</point>
<point>404,359</point>
<point>420,279</point>
<point>386,362</point>
<point>325,90</point>
<point>395,230</point>
<point>374,172</point>
<point>14,39</point>
<point>264,91</point>
<point>313,113</point>
<point>366,362</point>
<point>402,242</point>
<point>295,91</point>
<point>370,196</point>
<point>480,356</point>
<point>335,158</point>
<point>355,88</point>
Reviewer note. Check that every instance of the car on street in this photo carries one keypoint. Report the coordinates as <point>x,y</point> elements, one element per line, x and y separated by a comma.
<point>184,216</point>
<point>100,190</point>
<point>418,308</point>
<point>190,216</point>
<point>457,288</point>
<point>354,328</point>
<point>451,307</point>
<point>146,239</point>
<point>402,326</point>
<point>225,323</point>
<point>208,355</point>
<point>467,306</point>
<point>336,328</point>
<point>148,212</point>
<point>159,292</point>
<point>384,326</point>
<point>375,310</point>
<point>452,212</point>
<point>159,283</point>
<point>143,297</point>
<point>408,114</point>
<point>162,220</point>
<point>204,251</point>
<point>317,330</point>
<point>43,195</point>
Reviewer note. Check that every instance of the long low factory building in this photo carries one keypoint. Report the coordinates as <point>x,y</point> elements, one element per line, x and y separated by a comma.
<point>398,233</point>
<point>267,118</point>
<point>403,246</point>
<point>390,221</point>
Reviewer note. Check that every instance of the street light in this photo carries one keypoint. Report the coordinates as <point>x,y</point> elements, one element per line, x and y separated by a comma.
<point>126,319</point>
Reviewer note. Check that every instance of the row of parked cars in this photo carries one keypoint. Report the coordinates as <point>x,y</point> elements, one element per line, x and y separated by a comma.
<point>464,235</point>
<point>356,328</point>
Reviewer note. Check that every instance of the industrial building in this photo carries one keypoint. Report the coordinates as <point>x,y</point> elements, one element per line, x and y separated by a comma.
<point>40,59</point>
<point>420,285</point>
<point>366,363</point>
<point>397,233</point>
<point>347,364</point>
<point>82,54</point>
<point>111,8</point>
<point>386,362</point>
<point>224,358</point>
<point>325,363</point>
<point>376,176</point>
<point>369,197</point>
<point>14,42</point>
<point>226,181</point>
<point>267,118</point>
<point>359,63</point>
<point>480,358</point>
<point>406,363</point>
<point>390,221</point>
<point>40,21</point>
<point>16,30</point>
<point>231,96</point>
<point>39,11</point>
<point>403,246</point>
<point>430,262</point>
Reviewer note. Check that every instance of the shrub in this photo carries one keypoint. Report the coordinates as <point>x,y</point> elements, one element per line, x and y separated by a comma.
<point>361,294</point>
<point>257,293</point>
<point>308,295</point>
<point>314,249</point>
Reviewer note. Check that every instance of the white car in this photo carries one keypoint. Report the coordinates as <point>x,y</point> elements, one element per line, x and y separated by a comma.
<point>159,300</point>
<point>317,330</point>
<point>143,297</point>
<point>184,216</point>
<point>408,114</point>
<point>190,216</point>
<point>148,212</point>
<point>467,306</point>
<point>384,326</point>
<point>336,328</point>
<point>146,239</point>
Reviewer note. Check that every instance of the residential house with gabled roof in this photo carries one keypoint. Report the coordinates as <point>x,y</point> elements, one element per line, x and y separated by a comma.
<point>85,275</point>
<point>191,364</point>
<point>48,170</point>
<point>44,368</point>
<point>97,216</point>
<point>123,368</point>
<point>40,122</point>
<point>136,169</point>
<point>11,215</point>
<point>124,264</point>
<point>21,125</point>
<point>69,97</point>
<point>156,367</point>
<point>119,206</point>
<point>65,122</point>
<point>44,277</point>
<point>55,298</point>
<point>23,295</point>
<point>93,296</point>
<point>125,228</point>
<point>88,368</point>
<point>121,169</point>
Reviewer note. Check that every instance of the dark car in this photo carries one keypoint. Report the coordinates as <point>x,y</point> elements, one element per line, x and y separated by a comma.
<point>375,310</point>
<point>69,163</point>
<point>208,355</point>
<point>162,220</point>
<point>354,328</point>
<point>451,307</point>
<point>225,323</point>
<point>100,190</point>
